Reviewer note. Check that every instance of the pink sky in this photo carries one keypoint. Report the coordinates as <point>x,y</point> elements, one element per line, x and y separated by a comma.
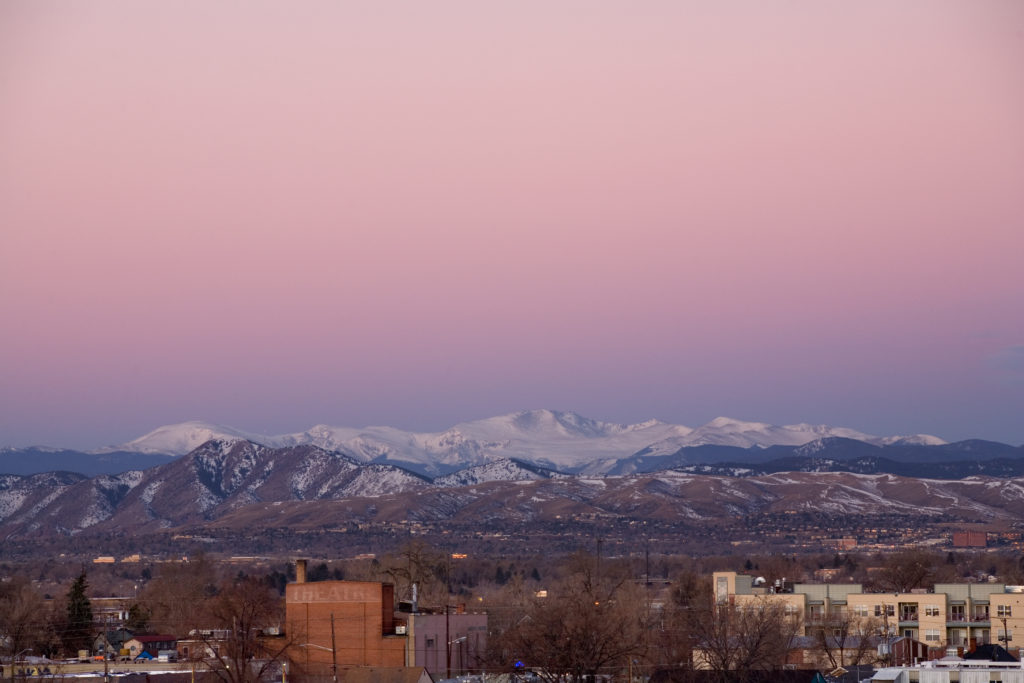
<point>270,215</point>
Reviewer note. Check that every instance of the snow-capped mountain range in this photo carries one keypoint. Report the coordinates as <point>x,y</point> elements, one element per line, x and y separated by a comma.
<point>563,441</point>
<point>196,473</point>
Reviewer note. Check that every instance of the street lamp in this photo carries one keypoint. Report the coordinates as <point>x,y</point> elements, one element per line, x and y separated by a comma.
<point>334,655</point>
<point>447,608</point>
<point>462,660</point>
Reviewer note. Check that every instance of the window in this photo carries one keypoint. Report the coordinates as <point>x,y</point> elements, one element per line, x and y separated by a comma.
<point>860,610</point>
<point>1004,611</point>
<point>890,610</point>
<point>931,635</point>
<point>793,609</point>
<point>722,589</point>
<point>931,610</point>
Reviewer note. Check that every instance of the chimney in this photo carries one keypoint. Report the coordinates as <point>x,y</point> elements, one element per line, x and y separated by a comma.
<point>300,571</point>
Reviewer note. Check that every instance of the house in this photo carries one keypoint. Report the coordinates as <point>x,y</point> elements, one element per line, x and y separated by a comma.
<point>112,611</point>
<point>202,644</point>
<point>115,639</point>
<point>150,645</point>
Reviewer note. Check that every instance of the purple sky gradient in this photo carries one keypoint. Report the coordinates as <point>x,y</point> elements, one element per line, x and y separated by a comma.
<point>270,215</point>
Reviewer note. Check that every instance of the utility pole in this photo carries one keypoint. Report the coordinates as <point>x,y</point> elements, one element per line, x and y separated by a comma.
<point>447,618</point>
<point>888,640</point>
<point>647,564</point>
<point>106,650</point>
<point>334,653</point>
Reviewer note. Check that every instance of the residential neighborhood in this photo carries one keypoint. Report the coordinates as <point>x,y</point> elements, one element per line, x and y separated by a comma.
<point>595,623</point>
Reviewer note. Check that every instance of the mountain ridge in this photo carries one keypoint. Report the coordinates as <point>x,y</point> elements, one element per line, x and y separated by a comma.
<point>221,476</point>
<point>557,440</point>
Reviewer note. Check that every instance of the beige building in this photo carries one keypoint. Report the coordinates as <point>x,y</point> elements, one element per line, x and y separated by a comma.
<point>947,615</point>
<point>811,602</point>
<point>1006,614</point>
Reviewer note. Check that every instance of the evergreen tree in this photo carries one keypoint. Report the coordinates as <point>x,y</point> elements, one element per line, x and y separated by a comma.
<point>78,631</point>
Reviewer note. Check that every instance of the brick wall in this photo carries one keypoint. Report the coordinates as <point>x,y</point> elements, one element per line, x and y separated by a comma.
<point>363,624</point>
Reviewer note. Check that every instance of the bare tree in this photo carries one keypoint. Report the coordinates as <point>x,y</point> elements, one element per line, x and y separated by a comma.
<point>672,636</point>
<point>175,601</point>
<point>24,624</point>
<point>735,640</point>
<point>240,648</point>
<point>416,563</point>
<point>846,640</point>
<point>907,570</point>
<point>587,625</point>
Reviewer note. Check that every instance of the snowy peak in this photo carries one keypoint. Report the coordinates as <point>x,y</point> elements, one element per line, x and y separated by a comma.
<point>913,440</point>
<point>724,431</point>
<point>496,470</point>
<point>729,424</point>
<point>549,423</point>
<point>563,424</point>
<point>182,438</point>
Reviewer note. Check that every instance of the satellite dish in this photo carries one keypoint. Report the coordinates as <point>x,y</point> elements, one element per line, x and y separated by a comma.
<point>760,581</point>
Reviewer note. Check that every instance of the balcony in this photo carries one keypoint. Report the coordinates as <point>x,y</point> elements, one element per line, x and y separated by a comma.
<point>908,618</point>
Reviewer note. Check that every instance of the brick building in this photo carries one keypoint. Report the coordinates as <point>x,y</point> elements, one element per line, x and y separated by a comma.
<point>361,614</point>
<point>970,539</point>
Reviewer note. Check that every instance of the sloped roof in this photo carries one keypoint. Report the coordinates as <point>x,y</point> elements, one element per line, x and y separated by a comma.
<point>991,652</point>
<point>154,638</point>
